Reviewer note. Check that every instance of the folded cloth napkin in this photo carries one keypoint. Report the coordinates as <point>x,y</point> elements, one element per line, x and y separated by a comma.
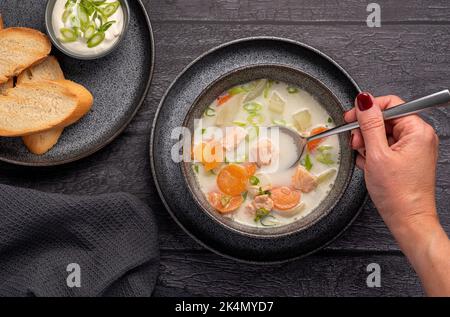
<point>57,245</point>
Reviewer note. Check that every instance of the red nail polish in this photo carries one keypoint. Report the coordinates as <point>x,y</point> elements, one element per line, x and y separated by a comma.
<point>364,101</point>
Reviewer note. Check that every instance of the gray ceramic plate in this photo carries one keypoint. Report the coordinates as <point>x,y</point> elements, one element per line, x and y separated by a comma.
<point>221,68</point>
<point>119,83</point>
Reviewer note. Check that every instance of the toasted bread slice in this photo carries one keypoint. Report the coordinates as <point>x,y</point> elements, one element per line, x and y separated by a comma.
<point>48,69</point>
<point>42,106</point>
<point>4,87</point>
<point>21,48</point>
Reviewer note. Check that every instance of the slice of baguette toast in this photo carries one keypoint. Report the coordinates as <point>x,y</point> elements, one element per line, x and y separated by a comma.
<point>49,69</point>
<point>10,82</point>
<point>42,106</point>
<point>21,48</point>
<point>5,86</point>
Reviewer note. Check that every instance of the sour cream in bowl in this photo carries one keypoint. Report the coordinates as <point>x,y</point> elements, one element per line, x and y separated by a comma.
<point>87,29</point>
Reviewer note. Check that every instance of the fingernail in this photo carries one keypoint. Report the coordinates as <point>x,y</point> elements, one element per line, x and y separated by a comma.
<point>364,101</point>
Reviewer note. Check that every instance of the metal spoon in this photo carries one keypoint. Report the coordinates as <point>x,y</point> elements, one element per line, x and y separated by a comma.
<point>406,109</point>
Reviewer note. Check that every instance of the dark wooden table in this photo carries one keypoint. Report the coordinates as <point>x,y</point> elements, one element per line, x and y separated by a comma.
<point>408,55</point>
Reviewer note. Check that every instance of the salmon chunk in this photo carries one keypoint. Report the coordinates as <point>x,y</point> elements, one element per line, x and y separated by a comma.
<point>233,137</point>
<point>260,202</point>
<point>263,152</point>
<point>303,180</point>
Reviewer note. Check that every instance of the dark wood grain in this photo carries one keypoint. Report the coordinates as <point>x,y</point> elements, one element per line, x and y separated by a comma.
<point>408,56</point>
<point>299,11</point>
<point>197,274</point>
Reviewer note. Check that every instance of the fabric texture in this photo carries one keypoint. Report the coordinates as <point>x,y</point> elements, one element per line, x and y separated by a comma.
<point>49,243</point>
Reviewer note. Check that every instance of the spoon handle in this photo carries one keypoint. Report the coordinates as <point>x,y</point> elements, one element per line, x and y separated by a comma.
<point>406,109</point>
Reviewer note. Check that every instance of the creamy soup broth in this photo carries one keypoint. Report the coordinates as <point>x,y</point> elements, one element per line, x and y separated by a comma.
<point>260,188</point>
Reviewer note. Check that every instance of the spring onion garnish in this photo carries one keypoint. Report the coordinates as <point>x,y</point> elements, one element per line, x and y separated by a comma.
<point>87,20</point>
<point>252,107</point>
<point>269,221</point>
<point>210,112</point>
<point>308,163</point>
<point>240,123</point>
<point>330,120</point>
<point>236,90</point>
<point>255,119</point>
<point>254,180</point>
<point>196,168</point>
<point>292,90</point>
<point>324,156</point>
<point>279,122</point>
<point>261,213</point>
<point>269,85</point>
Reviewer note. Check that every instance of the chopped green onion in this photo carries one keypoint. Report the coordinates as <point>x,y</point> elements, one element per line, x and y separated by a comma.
<point>253,133</point>
<point>330,120</point>
<point>66,15</point>
<point>240,123</point>
<point>196,168</point>
<point>261,213</point>
<point>110,9</point>
<point>292,90</point>
<point>254,180</point>
<point>279,122</point>
<point>96,39</point>
<point>265,222</point>
<point>83,15</point>
<point>210,112</point>
<point>324,148</point>
<point>236,90</point>
<point>308,163</point>
<point>325,158</point>
<point>267,88</point>
<point>203,131</point>
<point>68,35</point>
<point>89,32</point>
<point>252,107</point>
<point>255,119</point>
<point>244,195</point>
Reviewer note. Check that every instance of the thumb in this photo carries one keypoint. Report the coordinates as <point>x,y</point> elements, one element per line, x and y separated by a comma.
<point>371,123</point>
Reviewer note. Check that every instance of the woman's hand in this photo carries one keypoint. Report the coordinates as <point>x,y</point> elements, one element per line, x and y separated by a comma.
<point>399,160</point>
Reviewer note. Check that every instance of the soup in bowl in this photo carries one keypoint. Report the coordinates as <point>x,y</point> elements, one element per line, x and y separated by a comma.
<point>244,171</point>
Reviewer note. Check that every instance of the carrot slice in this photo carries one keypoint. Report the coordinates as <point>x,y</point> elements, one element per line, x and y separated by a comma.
<point>284,198</point>
<point>224,203</point>
<point>209,154</point>
<point>223,99</point>
<point>232,180</point>
<point>315,143</point>
<point>250,168</point>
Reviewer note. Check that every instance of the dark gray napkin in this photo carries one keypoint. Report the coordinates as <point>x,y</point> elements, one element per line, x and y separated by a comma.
<point>112,239</point>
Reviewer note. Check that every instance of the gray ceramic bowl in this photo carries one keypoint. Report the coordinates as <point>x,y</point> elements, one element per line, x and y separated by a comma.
<point>57,43</point>
<point>294,77</point>
<point>214,71</point>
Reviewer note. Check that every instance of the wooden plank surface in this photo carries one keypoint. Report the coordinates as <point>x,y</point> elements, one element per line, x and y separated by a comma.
<point>321,275</point>
<point>408,56</point>
<point>303,11</point>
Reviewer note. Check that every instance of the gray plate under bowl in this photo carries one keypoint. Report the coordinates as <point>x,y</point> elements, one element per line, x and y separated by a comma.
<point>119,83</point>
<point>208,76</point>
